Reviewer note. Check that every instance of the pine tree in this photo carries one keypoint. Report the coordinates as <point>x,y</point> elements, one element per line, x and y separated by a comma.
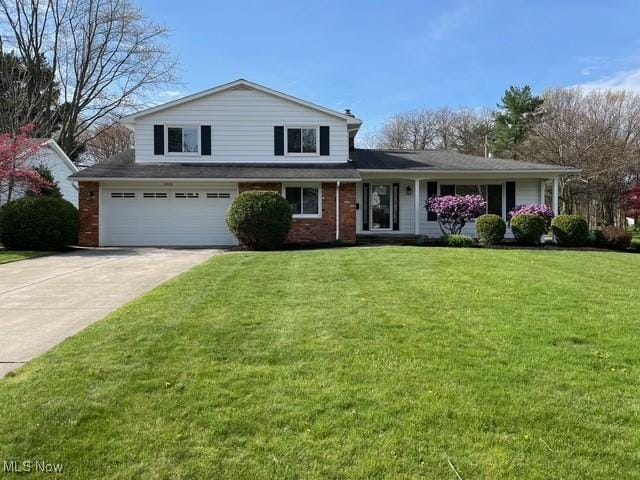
<point>518,110</point>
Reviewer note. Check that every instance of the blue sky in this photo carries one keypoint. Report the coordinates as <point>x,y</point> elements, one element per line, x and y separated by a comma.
<point>383,57</point>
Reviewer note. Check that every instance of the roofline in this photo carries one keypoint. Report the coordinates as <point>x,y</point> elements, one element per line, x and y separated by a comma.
<point>56,148</point>
<point>241,81</point>
<point>212,179</point>
<point>574,171</point>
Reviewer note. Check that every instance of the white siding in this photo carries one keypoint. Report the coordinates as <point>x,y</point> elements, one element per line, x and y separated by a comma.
<point>527,192</point>
<point>242,122</point>
<point>60,171</point>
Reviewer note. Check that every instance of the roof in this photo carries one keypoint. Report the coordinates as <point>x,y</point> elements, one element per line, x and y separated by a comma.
<point>122,166</point>
<point>238,83</point>
<point>444,160</point>
<point>35,142</point>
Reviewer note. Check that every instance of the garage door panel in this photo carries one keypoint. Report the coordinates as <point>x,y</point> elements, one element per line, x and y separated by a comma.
<point>157,221</point>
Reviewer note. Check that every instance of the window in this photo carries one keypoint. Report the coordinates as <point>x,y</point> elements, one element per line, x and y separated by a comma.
<point>182,140</point>
<point>218,195</point>
<point>155,195</point>
<point>187,195</point>
<point>302,140</point>
<point>492,194</point>
<point>123,195</point>
<point>304,200</point>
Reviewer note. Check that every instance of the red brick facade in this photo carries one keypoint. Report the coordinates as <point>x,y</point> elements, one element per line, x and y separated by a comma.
<point>320,230</point>
<point>89,206</point>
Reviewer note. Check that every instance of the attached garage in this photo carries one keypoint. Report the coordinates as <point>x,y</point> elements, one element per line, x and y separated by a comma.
<point>165,217</point>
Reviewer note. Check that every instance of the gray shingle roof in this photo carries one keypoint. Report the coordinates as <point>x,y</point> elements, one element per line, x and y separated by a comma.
<point>123,166</point>
<point>428,160</point>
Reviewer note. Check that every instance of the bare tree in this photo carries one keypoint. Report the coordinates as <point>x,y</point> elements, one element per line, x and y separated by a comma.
<point>107,142</point>
<point>106,55</point>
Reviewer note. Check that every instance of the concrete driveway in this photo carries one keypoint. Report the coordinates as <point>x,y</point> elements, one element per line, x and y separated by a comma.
<point>45,300</point>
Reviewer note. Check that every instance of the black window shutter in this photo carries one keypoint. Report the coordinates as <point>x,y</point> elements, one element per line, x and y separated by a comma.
<point>396,206</point>
<point>432,191</point>
<point>324,140</point>
<point>158,139</point>
<point>365,206</point>
<point>278,141</point>
<point>446,190</point>
<point>205,138</point>
<point>511,196</point>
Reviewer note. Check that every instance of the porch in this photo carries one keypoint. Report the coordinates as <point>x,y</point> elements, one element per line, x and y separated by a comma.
<point>393,208</point>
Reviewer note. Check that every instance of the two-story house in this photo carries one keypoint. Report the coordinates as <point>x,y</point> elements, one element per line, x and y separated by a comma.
<point>194,155</point>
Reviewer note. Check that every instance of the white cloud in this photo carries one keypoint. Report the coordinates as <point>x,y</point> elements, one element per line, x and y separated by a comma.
<point>621,80</point>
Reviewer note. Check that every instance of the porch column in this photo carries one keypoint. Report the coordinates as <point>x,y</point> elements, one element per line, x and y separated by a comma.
<point>543,190</point>
<point>555,196</point>
<point>416,200</point>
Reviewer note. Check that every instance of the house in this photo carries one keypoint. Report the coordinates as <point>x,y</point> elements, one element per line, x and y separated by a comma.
<point>51,156</point>
<point>194,155</point>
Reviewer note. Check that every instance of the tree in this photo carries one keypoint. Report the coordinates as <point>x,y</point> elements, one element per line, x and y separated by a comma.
<point>24,95</point>
<point>16,174</point>
<point>518,110</point>
<point>52,189</point>
<point>454,211</point>
<point>105,54</point>
<point>109,141</point>
<point>631,203</point>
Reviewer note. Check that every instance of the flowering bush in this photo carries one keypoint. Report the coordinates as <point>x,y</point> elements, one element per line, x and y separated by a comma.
<point>454,211</point>
<point>540,210</point>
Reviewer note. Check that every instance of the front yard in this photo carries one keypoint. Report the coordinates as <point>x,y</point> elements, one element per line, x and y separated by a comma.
<point>349,363</point>
<point>6,256</point>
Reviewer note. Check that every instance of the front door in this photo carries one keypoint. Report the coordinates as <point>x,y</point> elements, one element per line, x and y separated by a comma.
<point>381,207</point>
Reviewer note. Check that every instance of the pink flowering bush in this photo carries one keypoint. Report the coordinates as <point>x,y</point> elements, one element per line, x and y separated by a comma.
<point>454,211</point>
<point>539,210</point>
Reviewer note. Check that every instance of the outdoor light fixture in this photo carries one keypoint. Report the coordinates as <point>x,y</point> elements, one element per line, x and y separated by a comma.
<point>408,189</point>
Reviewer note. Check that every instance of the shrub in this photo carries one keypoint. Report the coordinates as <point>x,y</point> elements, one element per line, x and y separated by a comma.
<point>616,238</point>
<point>260,220</point>
<point>528,228</point>
<point>490,228</point>
<point>539,210</point>
<point>570,230</point>
<point>596,239</point>
<point>38,223</point>
<point>454,211</point>
<point>635,244</point>
<point>458,241</point>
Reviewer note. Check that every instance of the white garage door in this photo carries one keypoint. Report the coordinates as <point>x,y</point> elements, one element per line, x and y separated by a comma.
<point>165,217</point>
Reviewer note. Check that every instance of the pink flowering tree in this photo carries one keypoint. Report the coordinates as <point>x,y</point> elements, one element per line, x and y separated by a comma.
<point>16,171</point>
<point>540,210</point>
<point>454,211</point>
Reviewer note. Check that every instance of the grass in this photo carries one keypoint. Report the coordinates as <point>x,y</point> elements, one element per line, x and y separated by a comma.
<point>6,256</point>
<point>354,363</point>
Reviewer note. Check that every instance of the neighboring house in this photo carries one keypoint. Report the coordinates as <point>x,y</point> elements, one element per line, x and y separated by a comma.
<point>50,155</point>
<point>194,155</point>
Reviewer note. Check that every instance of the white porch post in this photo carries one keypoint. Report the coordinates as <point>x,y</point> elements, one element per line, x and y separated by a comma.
<point>543,190</point>
<point>555,195</point>
<point>416,200</point>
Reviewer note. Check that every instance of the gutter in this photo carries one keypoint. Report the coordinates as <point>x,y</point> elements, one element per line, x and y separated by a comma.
<point>211,179</point>
<point>338,210</point>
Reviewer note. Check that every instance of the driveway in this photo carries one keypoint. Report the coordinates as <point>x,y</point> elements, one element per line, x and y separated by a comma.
<point>45,300</point>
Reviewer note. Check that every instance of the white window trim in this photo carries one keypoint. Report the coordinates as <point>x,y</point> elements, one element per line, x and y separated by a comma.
<point>307,185</point>
<point>301,154</point>
<point>183,126</point>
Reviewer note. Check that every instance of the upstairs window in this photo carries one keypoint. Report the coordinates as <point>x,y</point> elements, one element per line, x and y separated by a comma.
<point>302,140</point>
<point>182,139</point>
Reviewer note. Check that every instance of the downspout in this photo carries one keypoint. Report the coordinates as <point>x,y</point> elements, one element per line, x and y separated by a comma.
<point>338,210</point>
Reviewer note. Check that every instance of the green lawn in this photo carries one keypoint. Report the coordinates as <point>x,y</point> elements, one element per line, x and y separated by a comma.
<point>6,256</point>
<point>350,363</point>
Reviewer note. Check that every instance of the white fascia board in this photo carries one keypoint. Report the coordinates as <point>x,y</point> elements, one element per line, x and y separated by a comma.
<point>212,179</point>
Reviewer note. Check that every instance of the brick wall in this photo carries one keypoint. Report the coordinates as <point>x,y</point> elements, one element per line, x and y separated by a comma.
<point>320,230</point>
<point>88,204</point>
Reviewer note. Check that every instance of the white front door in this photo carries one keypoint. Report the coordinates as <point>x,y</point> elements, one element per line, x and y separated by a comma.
<point>380,206</point>
<point>165,217</point>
